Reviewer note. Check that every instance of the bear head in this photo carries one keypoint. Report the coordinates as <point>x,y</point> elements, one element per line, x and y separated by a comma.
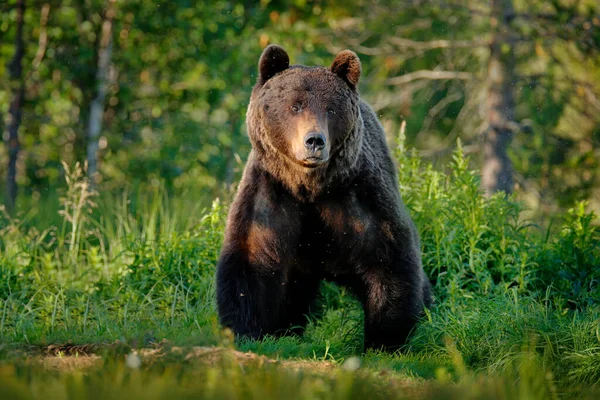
<point>301,119</point>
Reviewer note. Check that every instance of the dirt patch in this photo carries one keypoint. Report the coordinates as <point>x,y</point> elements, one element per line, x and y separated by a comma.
<point>69,358</point>
<point>214,356</point>
<point>315,366</point>
<point>83,359</point>
<point>69,363</point>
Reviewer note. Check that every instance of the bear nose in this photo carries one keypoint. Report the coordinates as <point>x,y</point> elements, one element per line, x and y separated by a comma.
<point>315,141</point>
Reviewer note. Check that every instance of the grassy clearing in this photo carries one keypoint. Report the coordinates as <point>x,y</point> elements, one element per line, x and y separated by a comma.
<point>517,306</point>
<point>220,373</point>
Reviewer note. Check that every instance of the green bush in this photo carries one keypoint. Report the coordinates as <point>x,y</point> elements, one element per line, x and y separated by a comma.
<point>476,246</point>
<point>472,245</point>
<point>571,261</point>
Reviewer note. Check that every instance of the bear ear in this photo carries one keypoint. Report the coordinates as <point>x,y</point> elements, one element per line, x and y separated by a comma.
<point>274,59</point>
<point>347,66</point>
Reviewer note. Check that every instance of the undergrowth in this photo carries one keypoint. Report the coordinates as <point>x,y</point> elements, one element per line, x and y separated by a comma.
<point>507,291</point>
<point>181,378</point>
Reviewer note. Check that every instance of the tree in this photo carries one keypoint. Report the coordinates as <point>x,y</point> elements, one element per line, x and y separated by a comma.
<point>496,168</point>
<point>16,106</point>
<point>97,104</point>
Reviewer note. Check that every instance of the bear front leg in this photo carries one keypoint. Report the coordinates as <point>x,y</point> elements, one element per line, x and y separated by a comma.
<point>259,250</point>
<point>300,301</point>
<point>249,295</point>
<point>393,305</point>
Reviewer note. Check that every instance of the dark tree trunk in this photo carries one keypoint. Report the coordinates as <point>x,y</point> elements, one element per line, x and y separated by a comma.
<point>496,171</point>
<point>97,104</point>
<point>15,111</point>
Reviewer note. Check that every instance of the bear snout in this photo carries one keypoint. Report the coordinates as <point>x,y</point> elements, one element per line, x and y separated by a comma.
<point>315,150</point>
<point>315,141</point>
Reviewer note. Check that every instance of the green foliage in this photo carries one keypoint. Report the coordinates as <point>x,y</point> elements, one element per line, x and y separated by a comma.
<point>178,87</point>
<point>493,334</point>
<point>472,245</point>
<point>141,267</point>
<point>478,246</point>
<point>181,74</point>
<point>92,275</point>
<point>571,260</point>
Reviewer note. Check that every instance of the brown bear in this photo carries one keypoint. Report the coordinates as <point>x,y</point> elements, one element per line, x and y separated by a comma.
<point>318,200</point>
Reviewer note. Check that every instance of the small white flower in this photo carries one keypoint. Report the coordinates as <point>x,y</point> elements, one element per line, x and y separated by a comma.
<point>351,363</point>
<point>133,360</point>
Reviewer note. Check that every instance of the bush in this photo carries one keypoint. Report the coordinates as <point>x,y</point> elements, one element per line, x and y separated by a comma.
<point>476,246</point>
<point>571,261</point>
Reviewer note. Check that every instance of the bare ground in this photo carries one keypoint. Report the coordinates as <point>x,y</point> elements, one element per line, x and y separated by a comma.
<point>68,358</point>
<point>72,358</point>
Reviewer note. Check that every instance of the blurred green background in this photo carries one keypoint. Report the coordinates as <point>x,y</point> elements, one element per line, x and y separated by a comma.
<point>178,76</point>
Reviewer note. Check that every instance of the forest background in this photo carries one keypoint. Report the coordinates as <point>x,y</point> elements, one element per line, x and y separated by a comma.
<point>155,93</point>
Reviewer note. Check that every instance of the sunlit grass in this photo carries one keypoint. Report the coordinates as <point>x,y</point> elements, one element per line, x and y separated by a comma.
<point>138,267</point>
<point>188,374</point>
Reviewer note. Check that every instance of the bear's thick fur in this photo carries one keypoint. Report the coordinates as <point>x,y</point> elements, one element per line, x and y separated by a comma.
<point>318,200</point>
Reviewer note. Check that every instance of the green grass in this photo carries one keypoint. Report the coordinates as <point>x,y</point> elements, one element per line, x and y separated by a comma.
<point>517,306</point>
<point>180,379</point>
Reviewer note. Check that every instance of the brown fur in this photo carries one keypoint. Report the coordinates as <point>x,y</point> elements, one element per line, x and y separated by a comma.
<point>304,214</point>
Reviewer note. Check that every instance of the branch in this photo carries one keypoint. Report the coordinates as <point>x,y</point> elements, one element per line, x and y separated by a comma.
<point>393,43</point>
<point>554,17</point>
<point>384,100</point>
<point>436,44</point>
<point>43,40</point>
<point>435,110</point>
<point>591,98</point>
<point>463,124</point>
<point>428,74</point>
<point>535,78</point>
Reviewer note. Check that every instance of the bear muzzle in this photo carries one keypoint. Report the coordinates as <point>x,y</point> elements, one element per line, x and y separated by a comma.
<point>315,150</point>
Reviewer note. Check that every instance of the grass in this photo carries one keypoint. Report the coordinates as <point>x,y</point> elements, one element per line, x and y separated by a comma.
<point>181,379</point>
<point>517,310</point>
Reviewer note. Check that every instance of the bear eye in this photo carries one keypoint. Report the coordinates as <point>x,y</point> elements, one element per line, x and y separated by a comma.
<point>296,108</point>
<point>330,111</point>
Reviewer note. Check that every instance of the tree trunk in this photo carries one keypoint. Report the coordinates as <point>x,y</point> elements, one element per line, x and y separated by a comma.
<point>496,171</point>
<point>97,104</point>
<point>15,111</point>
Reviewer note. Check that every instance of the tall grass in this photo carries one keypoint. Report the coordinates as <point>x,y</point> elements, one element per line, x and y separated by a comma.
<point>140,265</point>
<point>114,266</point>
